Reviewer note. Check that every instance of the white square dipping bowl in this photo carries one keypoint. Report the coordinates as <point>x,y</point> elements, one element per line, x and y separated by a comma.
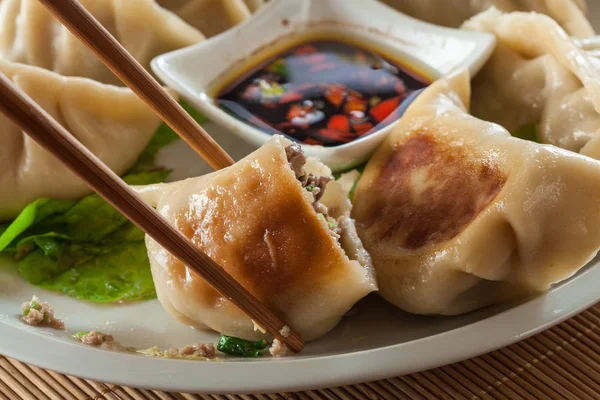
<point>197,70</point>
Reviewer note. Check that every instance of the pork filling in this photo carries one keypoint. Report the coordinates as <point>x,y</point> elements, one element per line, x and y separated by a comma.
<point>39,313</point>
<point>278,349</point>
<point>94,338</point>
<point>102,340</point>
<point>196,350</point>
<point>314,184</point>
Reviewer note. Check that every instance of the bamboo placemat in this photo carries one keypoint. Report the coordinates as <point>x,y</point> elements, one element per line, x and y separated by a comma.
<point>560,363</point>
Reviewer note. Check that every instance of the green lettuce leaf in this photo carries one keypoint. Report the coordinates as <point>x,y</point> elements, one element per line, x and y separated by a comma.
<point>351,193</point>
<point>30,216</point>
<point>86,248</point>
<point>360,169</point>
<point>163,137</point>
<point>102,273</point>
<point>89,252</point>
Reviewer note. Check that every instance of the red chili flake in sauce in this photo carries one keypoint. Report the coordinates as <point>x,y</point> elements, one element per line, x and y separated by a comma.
<point>324,92</point>
<point>384,108</point>
<point>339,122</point>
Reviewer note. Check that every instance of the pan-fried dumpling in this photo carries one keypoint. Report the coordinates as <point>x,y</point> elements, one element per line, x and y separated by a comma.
<point>539,80</point>
<point>571,14</point>
<point>277,226</point>
<point>212,17</point>
<point>29,34</point>
<point>458,215</point>
<point>110,121</point>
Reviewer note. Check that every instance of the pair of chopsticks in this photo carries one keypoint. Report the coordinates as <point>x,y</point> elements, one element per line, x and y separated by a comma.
<point>53,137</point>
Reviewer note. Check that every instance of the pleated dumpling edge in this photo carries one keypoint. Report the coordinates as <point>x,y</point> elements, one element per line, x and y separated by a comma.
<point>29,34</point>
<point>110,121</point>
<point>458,215</point>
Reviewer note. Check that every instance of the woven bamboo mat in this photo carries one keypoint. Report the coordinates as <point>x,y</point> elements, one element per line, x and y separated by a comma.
<point>561,363</point>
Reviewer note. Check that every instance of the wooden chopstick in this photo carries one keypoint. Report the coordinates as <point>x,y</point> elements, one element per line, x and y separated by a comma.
<point>83,25</point>
<point>44,129</point>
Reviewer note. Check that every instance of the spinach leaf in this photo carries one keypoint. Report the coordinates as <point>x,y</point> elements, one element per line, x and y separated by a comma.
<point>240,347</point>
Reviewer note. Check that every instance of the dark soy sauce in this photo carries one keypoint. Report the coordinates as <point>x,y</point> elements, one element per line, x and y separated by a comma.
<point>322,92</point>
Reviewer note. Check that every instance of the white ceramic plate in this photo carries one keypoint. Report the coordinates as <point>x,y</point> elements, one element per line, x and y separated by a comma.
<point>379,342</point>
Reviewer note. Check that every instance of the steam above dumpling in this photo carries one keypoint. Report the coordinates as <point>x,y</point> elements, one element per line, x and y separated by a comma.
<point>570,14</point>
<point>540,79</point>
<point>110,121</point>
<point>265,222</point>
<point>457,214</point>
<point>29,34</point>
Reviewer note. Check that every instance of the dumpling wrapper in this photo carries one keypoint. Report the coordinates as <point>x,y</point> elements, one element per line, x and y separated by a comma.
<point>539,76</point>
<point>110,121</point>
<point>212,17</point>
<point>257,222</point>
<point>458,215</point>
<point>570,14</point>
<point>29,34</point>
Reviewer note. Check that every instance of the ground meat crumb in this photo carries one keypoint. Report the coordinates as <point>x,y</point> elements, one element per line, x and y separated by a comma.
<point>278,349</point>
<point>315,184</point>
<point>39,313</point>
<point>318,184</point>
<point>296,158</point>
<point>102,340</point>
<point>34,317</point>
<point>95,338</point>
<point>197,350</point>
<point>320,208</point>
<point>285,331</point>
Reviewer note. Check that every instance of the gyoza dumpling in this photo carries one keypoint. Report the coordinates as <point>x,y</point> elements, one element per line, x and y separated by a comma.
<point>539,80</point>
<point>571,14</point>
<point>29,34</point>
<point>279,228</point>
<point>457,214</point>
<point>110,121</point>
<point>212,17</point>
